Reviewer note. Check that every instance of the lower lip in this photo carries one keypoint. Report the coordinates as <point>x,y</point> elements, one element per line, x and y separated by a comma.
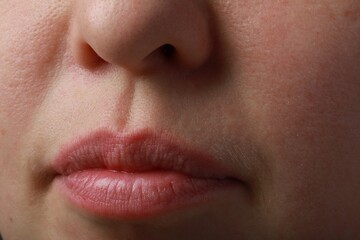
<point>121,195</point>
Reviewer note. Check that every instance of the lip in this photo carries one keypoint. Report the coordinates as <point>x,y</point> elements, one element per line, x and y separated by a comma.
<point>139,175</point>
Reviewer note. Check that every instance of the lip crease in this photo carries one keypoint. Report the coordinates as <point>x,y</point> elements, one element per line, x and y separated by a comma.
<point>139,175</point>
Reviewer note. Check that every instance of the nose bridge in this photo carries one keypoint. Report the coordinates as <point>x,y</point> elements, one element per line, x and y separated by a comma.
<point>126,33</point>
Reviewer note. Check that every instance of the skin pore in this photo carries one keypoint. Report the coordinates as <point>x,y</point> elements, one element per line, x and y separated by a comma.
<point>270,88</point>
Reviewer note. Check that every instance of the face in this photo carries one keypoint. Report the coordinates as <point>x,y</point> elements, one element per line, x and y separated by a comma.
<point>270,90</point>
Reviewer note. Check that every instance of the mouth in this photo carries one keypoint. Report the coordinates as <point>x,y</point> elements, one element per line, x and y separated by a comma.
<point>139,175</point>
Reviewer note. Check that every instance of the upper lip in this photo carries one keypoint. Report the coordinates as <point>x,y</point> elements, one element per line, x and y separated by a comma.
<point>142,151</point>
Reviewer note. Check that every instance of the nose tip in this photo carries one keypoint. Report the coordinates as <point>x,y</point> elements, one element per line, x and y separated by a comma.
<point>142,34</point>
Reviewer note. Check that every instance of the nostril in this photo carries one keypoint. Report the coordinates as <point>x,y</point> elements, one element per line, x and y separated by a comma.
<point>164,54</point>
<point>168,51</point>
<point>87,56</point>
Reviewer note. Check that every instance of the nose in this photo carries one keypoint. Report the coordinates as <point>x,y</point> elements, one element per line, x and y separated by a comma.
<point>141,34</point>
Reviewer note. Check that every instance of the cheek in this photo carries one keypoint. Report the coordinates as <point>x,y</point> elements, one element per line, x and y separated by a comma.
<point>27,54</point>
<point>303,103</point>
<point>28,44</point>
<point>307,88</point>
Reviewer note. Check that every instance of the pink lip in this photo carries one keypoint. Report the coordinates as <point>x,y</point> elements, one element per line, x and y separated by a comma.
<point>138,175</point>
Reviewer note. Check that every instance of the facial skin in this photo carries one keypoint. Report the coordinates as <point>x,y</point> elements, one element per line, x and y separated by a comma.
<point>271,88</point>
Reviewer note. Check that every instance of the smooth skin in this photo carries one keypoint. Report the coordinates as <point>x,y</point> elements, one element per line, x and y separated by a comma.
<point>270,87</point>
